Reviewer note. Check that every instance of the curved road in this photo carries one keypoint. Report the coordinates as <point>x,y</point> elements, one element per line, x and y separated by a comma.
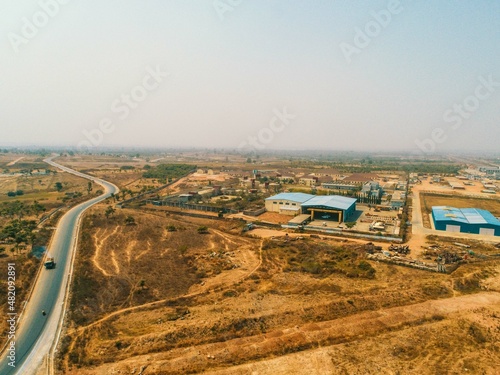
<point>35,332</point>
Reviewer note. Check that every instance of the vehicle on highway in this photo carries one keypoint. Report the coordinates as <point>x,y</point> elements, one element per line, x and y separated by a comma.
<point>49,263</point>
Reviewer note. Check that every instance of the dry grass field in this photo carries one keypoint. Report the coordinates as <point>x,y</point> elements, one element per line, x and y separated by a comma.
<point>429,200</point>
<point>124,172</point>
<point>113,169</point>
<point>42,188</point>
<point>230,304</point>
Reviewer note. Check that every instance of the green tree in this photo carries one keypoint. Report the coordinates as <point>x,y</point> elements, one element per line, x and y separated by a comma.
<point>129,220</point>
<point>58,186</point>
<point>203,229</point>
<point>37,208</point>
<point>109,212</point>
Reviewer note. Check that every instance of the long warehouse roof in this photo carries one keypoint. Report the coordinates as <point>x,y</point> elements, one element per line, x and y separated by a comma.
<point>331,201</point>
<point>294,197</point>
<point>309,200</point>
<point>464,215</point>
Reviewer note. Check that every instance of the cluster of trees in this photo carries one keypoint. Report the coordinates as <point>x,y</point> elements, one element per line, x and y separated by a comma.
<point>19,231</point>
<point>24,151</point>
<point>168,171</point>
<point>127,167</point>
<point>125,193</point>
<point>110,211</point>
<point>15,193</point>
<point>21,209</point>
<point>367,164</point>
<point>29,167</point>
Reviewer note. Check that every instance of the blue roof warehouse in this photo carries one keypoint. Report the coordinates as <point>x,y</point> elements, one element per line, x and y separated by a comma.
<point>465,220</point>
<point>321,207</point>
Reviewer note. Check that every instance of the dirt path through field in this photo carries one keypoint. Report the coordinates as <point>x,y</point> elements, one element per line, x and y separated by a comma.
<point>15,161</point>
<point>250,263</point>
<point>99,245</point>
<point>268,233</point>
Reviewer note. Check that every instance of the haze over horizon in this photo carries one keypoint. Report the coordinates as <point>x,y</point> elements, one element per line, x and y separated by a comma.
<point>378,75</point>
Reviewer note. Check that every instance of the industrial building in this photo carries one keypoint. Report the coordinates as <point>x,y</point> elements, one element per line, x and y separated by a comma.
<point>465,220</point>
<point>456,185</point>
<point>330,207</point>
<point>287,203</point>
<point>320,207</point>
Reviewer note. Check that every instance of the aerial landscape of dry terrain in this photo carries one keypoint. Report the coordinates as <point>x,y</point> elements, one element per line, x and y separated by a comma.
<point>228,187</point>
<point>179,289</point>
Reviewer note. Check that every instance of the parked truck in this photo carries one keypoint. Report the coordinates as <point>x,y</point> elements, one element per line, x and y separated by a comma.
<point>49,263</point>
<point>248,227</point>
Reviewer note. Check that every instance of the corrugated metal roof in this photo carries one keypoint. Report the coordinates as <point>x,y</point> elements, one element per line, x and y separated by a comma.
<point>464,215</point>
<point>294,197</point>
<point>331,201</point>
<point>473,216</point>
<point>307,200</point>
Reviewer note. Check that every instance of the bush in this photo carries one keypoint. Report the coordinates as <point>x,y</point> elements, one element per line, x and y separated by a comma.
<point>230,293</point>
<point>203,229</point>
<point>168,171</point>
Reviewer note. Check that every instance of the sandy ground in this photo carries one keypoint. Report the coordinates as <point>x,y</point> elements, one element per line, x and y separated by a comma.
<point>446,188</point>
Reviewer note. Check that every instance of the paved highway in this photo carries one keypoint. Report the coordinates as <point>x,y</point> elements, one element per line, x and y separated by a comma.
<point>36,333</point>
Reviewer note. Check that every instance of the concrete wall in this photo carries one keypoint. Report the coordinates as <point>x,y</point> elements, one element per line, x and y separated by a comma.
<point>271,206</point>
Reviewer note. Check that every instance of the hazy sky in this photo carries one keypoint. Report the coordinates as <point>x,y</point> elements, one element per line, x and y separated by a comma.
<point>338,75</point>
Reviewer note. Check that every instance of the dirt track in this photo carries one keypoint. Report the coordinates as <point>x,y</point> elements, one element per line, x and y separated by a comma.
<point>357,328</point>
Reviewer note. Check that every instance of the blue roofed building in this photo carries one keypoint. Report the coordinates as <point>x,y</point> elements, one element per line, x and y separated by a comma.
<point>319,207</point>
<point>330,207</point>
<point>465,220</point>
